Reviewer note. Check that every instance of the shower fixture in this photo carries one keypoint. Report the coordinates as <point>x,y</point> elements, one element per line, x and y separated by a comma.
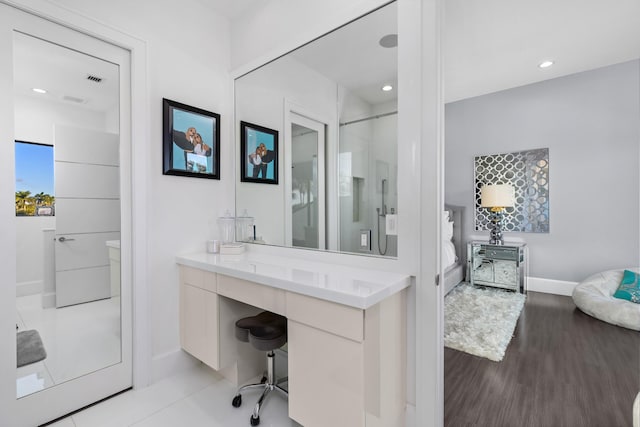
<point>382,213</point>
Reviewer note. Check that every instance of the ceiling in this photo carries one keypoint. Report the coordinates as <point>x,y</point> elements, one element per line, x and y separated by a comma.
<point>492,45</point>
<point>232,8</point>
<point>488,46</point>
<point>353,57</point>
<point>63,74</point>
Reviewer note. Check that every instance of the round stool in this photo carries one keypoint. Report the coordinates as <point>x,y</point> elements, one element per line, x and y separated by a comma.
<point>266,331</point>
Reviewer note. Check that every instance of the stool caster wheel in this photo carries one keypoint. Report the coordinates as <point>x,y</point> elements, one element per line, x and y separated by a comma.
<point>237,401</point>
<point>263,380</point>
<point>255,421</point>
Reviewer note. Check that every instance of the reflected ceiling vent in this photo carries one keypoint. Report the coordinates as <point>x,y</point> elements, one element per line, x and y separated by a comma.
<point>74,99</point>
<point>390,40</point>
<point>94,78</point>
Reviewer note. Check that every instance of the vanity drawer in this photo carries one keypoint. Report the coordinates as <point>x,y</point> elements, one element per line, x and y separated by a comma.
<point>199,278</point>
<point>255,294</point>
<point>328,316</point>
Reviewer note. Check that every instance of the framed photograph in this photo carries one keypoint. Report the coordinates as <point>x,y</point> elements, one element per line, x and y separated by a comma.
<point>258,154</point>
<point>191,141</point>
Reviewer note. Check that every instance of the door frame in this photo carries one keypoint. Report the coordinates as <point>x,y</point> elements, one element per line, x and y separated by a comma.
<point>290,118</point>
<point>290,108</point>
<point>134,256</point>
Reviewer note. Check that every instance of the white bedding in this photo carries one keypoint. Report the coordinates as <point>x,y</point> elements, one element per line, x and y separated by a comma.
<point>448,249</point>
<point>448,254</point>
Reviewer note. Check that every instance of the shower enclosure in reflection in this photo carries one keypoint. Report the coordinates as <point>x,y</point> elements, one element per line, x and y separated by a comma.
<point>368,182</point>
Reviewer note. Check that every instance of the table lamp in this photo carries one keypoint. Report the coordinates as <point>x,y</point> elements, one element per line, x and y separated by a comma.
<point>497,197</point>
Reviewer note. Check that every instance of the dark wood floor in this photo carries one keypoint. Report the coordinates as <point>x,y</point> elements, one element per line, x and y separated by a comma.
<point>562,368</point>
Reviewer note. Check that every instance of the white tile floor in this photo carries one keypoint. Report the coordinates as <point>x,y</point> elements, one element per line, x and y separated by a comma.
<point>197,397</point>
<point>81,338</point>
<point>78,339</point>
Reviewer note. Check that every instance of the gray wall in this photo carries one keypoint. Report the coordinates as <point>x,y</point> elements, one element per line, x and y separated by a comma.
<point>591,124</point>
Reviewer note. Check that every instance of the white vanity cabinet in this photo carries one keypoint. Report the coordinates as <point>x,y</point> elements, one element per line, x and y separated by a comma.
<point>199,315</point>
<point>207,322</point>
<point>346,363</point>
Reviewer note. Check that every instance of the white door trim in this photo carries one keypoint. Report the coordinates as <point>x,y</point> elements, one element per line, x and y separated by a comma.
<point>291,116</point>
<point>289,108</point>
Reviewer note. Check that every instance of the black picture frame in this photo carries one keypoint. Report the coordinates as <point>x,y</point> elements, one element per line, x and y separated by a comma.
<point>191,141</point>
<point>258,165</point>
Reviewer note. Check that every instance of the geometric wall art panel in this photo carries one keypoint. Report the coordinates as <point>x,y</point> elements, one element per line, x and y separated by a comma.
<point>528,172</point>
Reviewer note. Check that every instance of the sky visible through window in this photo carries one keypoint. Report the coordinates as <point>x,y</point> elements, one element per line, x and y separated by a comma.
<point>34,168</point>
<point>34,174</point>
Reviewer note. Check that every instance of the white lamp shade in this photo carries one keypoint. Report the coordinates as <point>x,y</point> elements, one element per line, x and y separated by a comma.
<point>497,195</point>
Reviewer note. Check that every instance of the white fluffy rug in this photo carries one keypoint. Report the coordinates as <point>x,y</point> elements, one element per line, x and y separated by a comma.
<point>481,321</point>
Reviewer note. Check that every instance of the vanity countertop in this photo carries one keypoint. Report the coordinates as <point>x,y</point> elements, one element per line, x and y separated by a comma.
<point>355,287</point>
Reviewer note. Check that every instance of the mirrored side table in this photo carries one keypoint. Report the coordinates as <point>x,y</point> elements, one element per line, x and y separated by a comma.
<point>498,266</point>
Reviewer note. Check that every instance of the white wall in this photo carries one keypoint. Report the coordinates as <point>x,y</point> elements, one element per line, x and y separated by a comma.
<point>35,117</point>
<point>34,120</point>
<point>187,61</point>
<point>30,252</point>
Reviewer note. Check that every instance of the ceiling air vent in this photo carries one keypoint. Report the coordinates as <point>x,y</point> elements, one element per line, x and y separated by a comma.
<point>73,99</point>
<point>94,78</point>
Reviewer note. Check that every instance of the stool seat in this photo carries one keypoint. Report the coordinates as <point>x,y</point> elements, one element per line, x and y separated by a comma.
<point>266,331</point>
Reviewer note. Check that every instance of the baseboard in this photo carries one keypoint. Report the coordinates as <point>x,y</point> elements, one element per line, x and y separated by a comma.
<point>28,288</point>
<point>48,300</point>
<point>167,364</point>
<point>550,286</point>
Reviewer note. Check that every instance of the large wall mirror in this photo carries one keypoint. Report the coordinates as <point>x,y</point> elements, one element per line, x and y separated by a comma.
<point>68,223</point>
<point>333,106</point>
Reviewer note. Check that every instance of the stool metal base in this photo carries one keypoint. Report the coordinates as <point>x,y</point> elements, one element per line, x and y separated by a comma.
<point>267,386</point>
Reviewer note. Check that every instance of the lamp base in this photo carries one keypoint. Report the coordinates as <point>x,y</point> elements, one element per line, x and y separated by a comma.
<point>495,237</point>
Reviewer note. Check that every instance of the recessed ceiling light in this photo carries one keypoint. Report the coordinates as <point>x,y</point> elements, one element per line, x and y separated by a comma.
<point>38,90</point>
<point>545,64</point>
<point>387,88</point>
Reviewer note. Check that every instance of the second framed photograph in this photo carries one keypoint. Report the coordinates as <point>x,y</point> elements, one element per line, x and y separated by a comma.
<point>191,141</point>
<point>258,154</point>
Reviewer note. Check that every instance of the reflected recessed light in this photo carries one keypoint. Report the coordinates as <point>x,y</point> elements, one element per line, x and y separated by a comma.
<point>387,88</point>
<point>545,64</point>
<point>38,90</point>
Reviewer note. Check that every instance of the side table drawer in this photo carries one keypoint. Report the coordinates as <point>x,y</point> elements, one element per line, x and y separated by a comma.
<point>483,270</point>
<point>505,272</point>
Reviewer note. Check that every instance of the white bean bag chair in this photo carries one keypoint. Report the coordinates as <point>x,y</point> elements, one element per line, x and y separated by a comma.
<point>594,296</point>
